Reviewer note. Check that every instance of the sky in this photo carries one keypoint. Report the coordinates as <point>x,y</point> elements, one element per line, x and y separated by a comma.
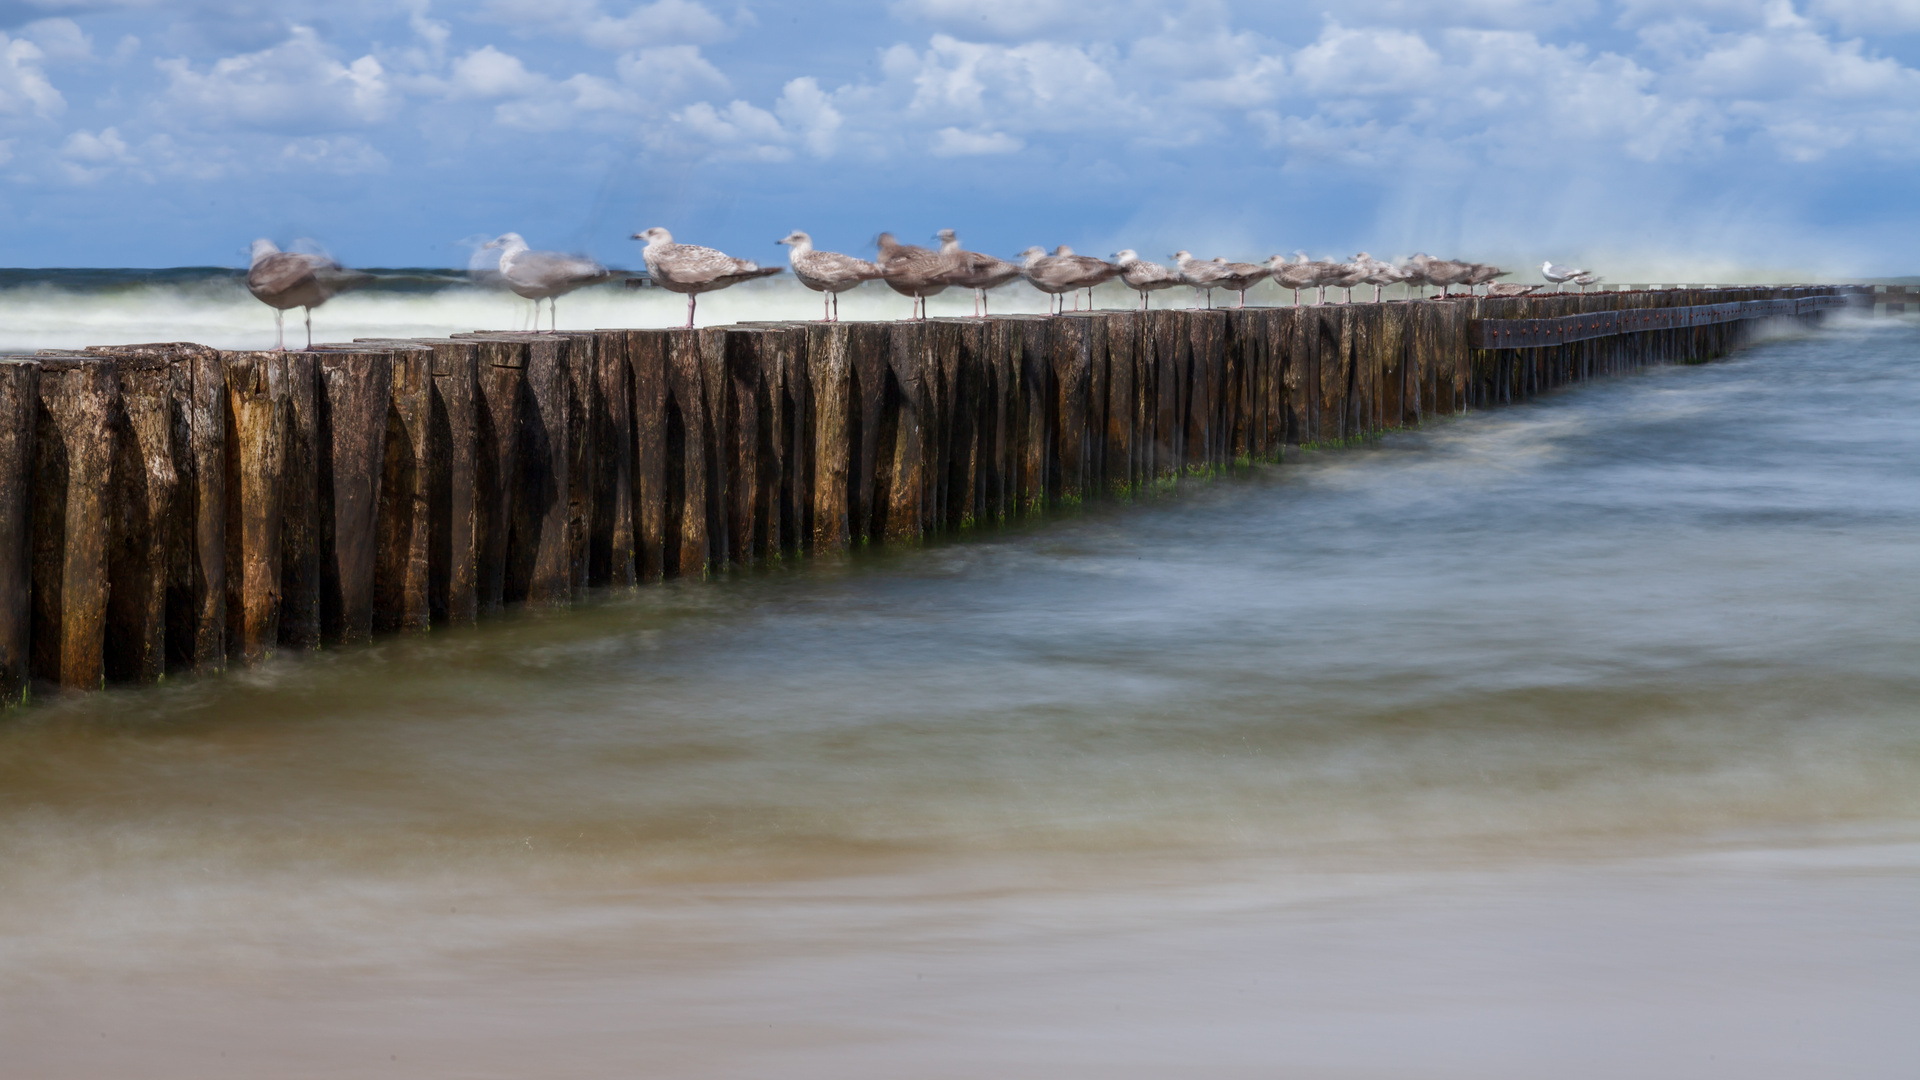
<point>1691,138</point>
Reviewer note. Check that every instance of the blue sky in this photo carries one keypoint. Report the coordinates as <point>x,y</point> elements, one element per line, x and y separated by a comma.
<point>1686,136</point>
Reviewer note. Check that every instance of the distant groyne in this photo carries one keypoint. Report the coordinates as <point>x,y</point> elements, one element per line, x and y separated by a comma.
<point>174,508</point>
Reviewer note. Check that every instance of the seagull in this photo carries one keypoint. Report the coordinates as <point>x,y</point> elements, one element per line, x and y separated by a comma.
<point>1064,272</point>
<point>1585,280</point>
<point>1296,275</point>
<point>1379,274</point>
<point>1442,272</point>
<point>1350,274</point>
<point>1239,277</point>
<point>692,269</point>
<point>1325,272</point>
<point>1414,275</point>
<point>1093,272</point>
<point>1483,274</point>
<point>1203,276</point>
<point>1510,288</point>
<point>911,271</point>
<point>1560,275</point>
<point>296,279</point>
<point>972,270</point>
<point>827,272</point>
<point>543,275</point>
<point>1142,275</point>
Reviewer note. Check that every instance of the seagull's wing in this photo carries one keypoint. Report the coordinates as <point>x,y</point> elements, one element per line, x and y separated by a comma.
<point>552,270</point>
<point>691,264</point>
<point>280,273</point>
<point>833,266</point>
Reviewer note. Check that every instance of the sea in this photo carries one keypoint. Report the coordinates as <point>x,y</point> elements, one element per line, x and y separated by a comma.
<point>1577,738</point>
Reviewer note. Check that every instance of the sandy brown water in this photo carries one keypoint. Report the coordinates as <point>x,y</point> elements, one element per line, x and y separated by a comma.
<point>1580,737</point>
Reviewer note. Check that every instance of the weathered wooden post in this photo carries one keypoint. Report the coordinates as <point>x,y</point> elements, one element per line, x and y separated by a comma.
<point>1070,368</point>
<point>611,555</point>
<point>142,512</point>
<point>453,483</point>
<point>75,434</point>
<point>402,579</point>
<point>832,407</point>
<point>300,529</point>
<point>258,414</point>
<point>197,577</point>
<point>19,402</point>
<point>356,392</point>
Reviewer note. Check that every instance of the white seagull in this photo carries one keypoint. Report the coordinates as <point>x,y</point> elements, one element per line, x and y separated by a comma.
<point>296,279</point>
<point>543,275</point>
<point>827,272</point>
<point>1559,275</point>
<point>1143,276</point>
<point>692,269</point>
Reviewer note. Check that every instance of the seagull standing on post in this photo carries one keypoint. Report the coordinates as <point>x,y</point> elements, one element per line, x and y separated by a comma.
<point>543,275</point>
<point>972,270</point>
<point>826,272</point>
<point>911,271</point>
<point>1143,276</point>
<point>1560,275</point>
<point>692,269</point>
<point>1239,277</point>
<point>296,279</point>
<point>1203,276</point>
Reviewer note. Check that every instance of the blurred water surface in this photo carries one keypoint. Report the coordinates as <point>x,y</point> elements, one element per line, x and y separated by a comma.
<point>1581,736</point>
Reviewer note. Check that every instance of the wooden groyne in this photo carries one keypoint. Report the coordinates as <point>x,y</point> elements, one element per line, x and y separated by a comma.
<point>174,508</point>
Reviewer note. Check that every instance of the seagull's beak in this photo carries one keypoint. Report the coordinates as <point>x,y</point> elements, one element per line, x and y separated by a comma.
<point>636,236</point>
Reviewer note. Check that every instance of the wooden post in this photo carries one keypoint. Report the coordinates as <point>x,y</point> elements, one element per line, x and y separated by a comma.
<point>403,550</point>
<point>19,402</point>
<point>833,409</point>
<point>76,429</point>
<point>356,393</point>
<point>257,427</point>
<point>901,465</point>
<point>142,511</point>
<point>453,484</point>
<point>501,378</point>
<point>1070,363</point>
<point>300,529</point>
<point>647,362</point>
<point>611,558</point>
<point>689,440</point>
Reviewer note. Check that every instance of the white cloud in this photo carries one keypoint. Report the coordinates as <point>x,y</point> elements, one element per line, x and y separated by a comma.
<point>1003,19</point>
<point>663,22</point>
<point>1854,16</point>
<point>489,73</point>
<point>809,111</point>
<point>23,86</point>
<point>952,142</point>
<point>344,155</point>
<point>740,130</point>
<point>297,86</point>
<point>670,72</point>
<point>59,39</point>
<point>87,156</point>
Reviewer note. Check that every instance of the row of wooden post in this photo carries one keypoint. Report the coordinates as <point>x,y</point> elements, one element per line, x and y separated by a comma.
<point>174,508</point>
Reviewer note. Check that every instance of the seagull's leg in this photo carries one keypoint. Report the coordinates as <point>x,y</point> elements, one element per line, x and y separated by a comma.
<point>309,329</point>
<point>690,299</point>
<point>279,330</point>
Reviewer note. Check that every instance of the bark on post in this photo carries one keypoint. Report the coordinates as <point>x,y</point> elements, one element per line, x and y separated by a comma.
<point>689,441</point>
<point>19,402</point>
<point>501,375</point>
<point>453,479</point>
<point>142,512</point>
<point>1070,356</point>
<point>586,413</point>
<point>356,392</point>
<point>300,531</point>
<point>75,432</point>
<point>256,460</point>
<point>647,362</point>
<point>831,409</point>
<point>1034,401</point>
<point>900,472</point>
<point>611,556</point>
<point>402,578</point>
<point>197,601</point>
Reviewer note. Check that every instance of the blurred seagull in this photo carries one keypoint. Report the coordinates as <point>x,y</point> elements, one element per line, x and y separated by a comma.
<point>1143,276</point>
<point>972,270</point>
<point>1560,275</point>
<point>296,279</point>
<point>1349,275</point>
<point>543,275</point>
<point>1483,274</point>
<point>827,272</point>
<point>1585,280</point>
<point>1510,288</point>
<point>1239,277</point>
<point>1203,276</point>
<point>911,271</point>
<point>1063,272</point>
<point>1299,274</point>
<point>692,269</point>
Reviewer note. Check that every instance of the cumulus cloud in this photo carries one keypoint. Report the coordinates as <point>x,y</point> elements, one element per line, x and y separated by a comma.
<point>295,87</point>
<point>24,89</point>
<point>87,156</point>
<point>952,142</point>
<point>662,22</point>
